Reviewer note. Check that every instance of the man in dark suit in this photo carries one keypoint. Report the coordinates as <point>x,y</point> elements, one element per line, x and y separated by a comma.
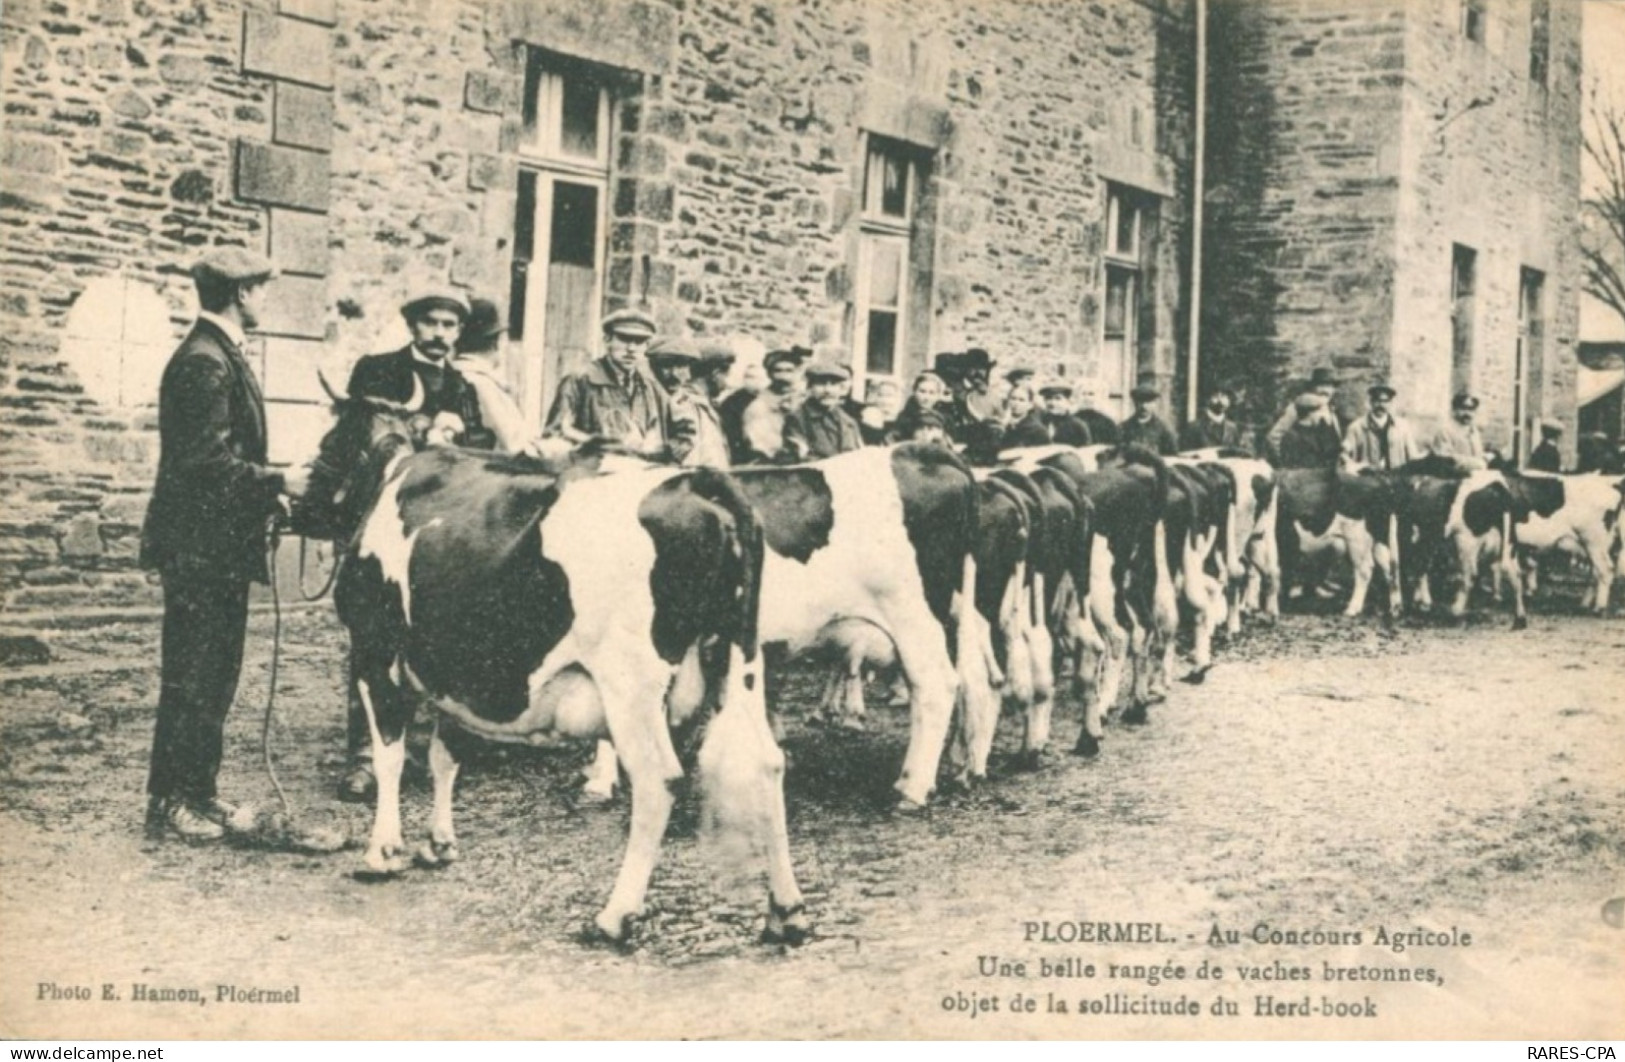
<point>1212,427</point>
<point>1144,427</point>
<point>205,533</point>
<point>436,318</point>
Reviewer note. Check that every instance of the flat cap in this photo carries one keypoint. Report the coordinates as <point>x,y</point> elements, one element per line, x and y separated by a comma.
<point>629,323</point>
<point>232,264</point>
<point>1020,374</point>
<point>1551,427</point>
<point>793,356</point>
<point>436,298</point>
<point>1145,393</point>
<point>828,370</point>
<point>1380,391</point>
<point>1464,401</point>
<point>1054,387</point>
<point>673,348</point>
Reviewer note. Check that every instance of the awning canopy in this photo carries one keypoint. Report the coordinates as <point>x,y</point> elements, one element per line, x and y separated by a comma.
<point>1597,383</point>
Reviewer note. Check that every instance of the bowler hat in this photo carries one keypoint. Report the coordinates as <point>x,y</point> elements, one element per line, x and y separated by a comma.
<point>1145,393</point>
<point>976,358</point>
<point>1464,401</point>
<point>232,264</point>
<point>629,323</point>
<point>828,370</point>
<point>1376,391</point>
<point>435,298</point>
<point>1323,376</point>
<point>483,327</point>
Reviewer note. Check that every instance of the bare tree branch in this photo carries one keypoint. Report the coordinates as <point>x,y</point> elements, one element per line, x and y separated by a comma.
<point>1602,229</point>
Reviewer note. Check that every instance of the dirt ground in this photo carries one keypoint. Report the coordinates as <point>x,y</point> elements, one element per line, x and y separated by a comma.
<point>1331,777</point>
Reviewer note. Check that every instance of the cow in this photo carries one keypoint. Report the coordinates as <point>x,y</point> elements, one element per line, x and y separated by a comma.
<point>1324,508</point>
<point>1578,513</point>
<point>1123,587</point>
<point>1251,563</point>
<point>1487,514</point>
<point>531,605</point>
<point>878,541</point>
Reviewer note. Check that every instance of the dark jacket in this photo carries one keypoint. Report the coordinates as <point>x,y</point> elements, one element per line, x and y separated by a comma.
<point>638,412</point>
<point>1152,433</point>
<point>812,432</point>
<point>1041,429</point>
<point>1203,434</point>
<point>1545,458</point>
<point>214,490</point>
<point>1102,429</point>
<point>1311,444</point>
<point>389,376</point>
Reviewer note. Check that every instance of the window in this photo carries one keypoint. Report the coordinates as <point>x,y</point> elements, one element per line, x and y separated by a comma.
<point>1463,270</point>
<point>894,174</point>
<point>1130,222</point>
<point>1540,40</point>
<point>555,288</point>
<point>1530,363</point>
<point>1472,20</point>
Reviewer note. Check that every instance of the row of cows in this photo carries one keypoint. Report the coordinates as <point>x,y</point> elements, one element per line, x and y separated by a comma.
<point>596,597</point>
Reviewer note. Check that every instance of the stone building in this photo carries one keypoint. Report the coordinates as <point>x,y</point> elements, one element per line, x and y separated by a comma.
<point>877,179</point>
<point>881,181</point>
<point>1393,190</point>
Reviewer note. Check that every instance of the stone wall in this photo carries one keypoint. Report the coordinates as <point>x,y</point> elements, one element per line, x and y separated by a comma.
<point>372,145</point>
<point>1490,161</point>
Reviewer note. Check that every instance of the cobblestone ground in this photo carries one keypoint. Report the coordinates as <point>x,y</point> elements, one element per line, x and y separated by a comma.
<point>1332,776</point>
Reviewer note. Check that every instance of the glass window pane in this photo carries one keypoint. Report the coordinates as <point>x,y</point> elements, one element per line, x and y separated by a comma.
<point>575,224</point>
<point>1119,283</point>
<point>882,349</point>
<point>1127,217</point>
<point>894,188</point>
<point>885,273</point>
<point>524,248</point>
<point>578,137</point>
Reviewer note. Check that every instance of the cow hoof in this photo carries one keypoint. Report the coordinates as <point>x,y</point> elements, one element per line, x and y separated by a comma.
<point>788,926</point>
<point>591,797</point>
<point>910,809</point>
<point>1088,746</point>
<point>611,933</point>
<point>1029,760</point>
<point>433,854</point>
<point>1520,623</point>
<point>1196,677</point>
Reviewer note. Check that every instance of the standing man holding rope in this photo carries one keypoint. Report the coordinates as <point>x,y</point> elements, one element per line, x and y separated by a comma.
<point>205,533</point>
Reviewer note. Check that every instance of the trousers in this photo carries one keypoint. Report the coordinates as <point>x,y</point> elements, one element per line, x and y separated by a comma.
<point>205,621</point>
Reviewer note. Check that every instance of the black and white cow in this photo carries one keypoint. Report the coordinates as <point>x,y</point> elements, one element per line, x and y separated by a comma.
<point>1578,514</point>
<point>871,549</point>
<point>1252,564</point>
<point>1322,509</point>
<point>530,606</point>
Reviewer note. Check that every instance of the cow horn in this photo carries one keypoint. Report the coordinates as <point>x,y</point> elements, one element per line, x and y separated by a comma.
<point>327,386</point>
<point>415,403</point>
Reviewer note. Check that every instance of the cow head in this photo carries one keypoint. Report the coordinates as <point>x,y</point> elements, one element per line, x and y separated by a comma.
<point>366,436</point>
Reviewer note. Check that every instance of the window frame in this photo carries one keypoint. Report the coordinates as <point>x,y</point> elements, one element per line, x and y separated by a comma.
<point>1474,20</point>
<point>876,229</point>
<point>541,136</point>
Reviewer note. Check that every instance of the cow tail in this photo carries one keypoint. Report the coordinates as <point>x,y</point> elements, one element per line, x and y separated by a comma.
<point>720,489</point>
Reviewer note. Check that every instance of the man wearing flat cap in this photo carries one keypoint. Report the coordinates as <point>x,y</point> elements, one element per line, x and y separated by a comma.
<point>1459,437</point>
<point>1144,427</point>
<point>1322,383</point>
<point>819,427</point>
<point>205,533</point>
<point>616,397</point>
<point>1547,457</point>
<point>435,317</point>
<point>1380,439</point>
<point>754,420</point>
<point>1051,422</point>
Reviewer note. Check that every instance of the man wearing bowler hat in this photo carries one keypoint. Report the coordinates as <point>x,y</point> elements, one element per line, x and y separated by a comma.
<point>1460,437</point>
<point>616,397</point>
<point>479,361</point>
<point>1380,439</point>
<point>1144,427</point>
<point>820,427</point>
<point>435,317</point>
<point>205,533</point>
<point>1213,426</point>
